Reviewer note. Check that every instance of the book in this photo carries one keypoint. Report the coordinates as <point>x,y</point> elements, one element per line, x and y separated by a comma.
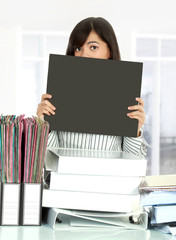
<point>94,183</point>
<point>158,183</point>
<point>90,201</point>
<point>158,198</point>
<point>164,213</point>
<point>75,161</point>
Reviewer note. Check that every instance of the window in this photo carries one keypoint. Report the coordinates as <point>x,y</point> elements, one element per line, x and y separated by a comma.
<point>158,54</point>
<point>35,56</point>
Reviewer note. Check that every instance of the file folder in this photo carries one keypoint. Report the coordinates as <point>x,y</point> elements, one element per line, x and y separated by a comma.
<point>22,139</point>
<point>87,104</point>
<point>10,203</point>
<point>31,211</point>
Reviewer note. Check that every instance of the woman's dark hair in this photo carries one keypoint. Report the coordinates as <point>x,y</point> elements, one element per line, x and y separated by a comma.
<point>104,30</point>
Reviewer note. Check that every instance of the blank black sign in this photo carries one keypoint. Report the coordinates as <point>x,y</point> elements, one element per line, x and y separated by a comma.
<point>92,95</point>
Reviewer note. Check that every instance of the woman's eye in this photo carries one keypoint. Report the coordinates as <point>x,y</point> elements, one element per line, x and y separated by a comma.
<point>93,47</point>
<point>78,49</point>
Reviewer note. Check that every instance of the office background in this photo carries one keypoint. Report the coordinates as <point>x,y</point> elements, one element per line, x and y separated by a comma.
<point>146,32</point>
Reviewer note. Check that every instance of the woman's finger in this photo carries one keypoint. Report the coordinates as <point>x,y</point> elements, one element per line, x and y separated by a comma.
<point>136,107</point>
<point>42,111</point>
<point>46,95</point>
<point>137,115</point>
<point>48,109</point>
<point>140,101</point>
<point>46,103</point>
<point>46,112</point>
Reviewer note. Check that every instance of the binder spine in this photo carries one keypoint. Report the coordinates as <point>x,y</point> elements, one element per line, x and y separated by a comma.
<point>31,207</point>
<point>10,204</point>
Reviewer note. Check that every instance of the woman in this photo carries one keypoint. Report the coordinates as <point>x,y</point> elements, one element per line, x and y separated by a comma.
<point>95,38</point>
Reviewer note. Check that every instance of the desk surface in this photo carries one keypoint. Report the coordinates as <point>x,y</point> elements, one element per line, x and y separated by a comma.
<point>45,232</point>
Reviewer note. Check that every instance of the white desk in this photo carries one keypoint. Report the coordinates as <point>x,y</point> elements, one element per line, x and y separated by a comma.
<point>46,233</point>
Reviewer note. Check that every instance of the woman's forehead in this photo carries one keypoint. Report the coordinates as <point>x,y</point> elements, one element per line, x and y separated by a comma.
<point>93,37</point>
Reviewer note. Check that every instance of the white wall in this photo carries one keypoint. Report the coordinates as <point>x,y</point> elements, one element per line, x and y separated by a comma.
<point>8,69</point>
<point>126,16</point>
<point>156,16</point>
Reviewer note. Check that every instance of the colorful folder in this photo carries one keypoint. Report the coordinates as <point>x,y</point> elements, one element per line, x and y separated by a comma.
<point>23,144</point>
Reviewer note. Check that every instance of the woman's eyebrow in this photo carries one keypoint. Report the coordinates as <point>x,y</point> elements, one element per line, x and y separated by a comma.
<point>92,42</point>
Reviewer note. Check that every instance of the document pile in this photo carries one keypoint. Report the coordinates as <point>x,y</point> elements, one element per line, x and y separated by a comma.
<point>11,128</point>
<point>22,152</point>
<point>100,183</point>
<point>159,194</point>
<point>35,138</point>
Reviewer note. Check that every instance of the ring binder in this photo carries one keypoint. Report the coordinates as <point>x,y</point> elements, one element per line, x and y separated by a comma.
<point>65,219</point>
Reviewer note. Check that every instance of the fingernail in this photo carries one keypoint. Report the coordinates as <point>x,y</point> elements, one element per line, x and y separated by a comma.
<point>128,114</point>
<point>129,107</point>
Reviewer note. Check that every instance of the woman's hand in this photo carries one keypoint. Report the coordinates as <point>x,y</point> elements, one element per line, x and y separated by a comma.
<point>45,107</point>
<point>139,114</point>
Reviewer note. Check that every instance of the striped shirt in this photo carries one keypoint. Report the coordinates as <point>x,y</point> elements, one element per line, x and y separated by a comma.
<point>137,146</point>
